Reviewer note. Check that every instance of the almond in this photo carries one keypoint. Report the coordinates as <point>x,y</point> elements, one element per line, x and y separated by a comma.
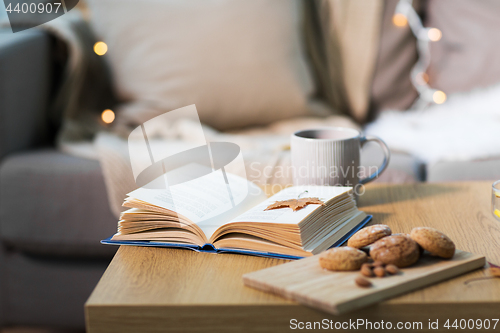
<point>379,271</point>
<point>362,282</point>
<point>366,270</point>
<point>392,269</point>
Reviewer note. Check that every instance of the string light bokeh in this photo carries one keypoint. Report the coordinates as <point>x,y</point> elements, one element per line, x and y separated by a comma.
<point>100,48</point>
<point>107,116</point>
<point>405,15</point>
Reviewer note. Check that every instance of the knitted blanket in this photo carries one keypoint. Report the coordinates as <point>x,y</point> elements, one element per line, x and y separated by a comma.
<point>462,129</point>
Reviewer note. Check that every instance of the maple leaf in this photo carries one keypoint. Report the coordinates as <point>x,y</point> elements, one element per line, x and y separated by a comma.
<point>295,204</point>
<point>494,270</point>
<point>493,265</point>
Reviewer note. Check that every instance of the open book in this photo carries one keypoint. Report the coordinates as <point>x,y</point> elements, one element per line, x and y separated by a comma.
<point>207,214</point>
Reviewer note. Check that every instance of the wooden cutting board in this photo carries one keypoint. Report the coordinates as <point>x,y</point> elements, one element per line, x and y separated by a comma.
<point>306,282</point>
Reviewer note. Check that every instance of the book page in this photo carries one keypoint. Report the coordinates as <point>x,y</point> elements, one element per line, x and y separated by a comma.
<point>207,201</point>
<point>287,215</point>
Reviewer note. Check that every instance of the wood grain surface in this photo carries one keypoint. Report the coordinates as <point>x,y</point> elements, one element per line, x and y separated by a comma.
<point>306,282</point>
<point>158,289</point>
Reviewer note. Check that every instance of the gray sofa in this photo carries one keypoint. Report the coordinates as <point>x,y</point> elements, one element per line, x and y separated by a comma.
<point>54,208</point>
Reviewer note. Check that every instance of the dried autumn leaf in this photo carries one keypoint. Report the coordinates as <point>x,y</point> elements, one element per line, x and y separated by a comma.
<point>493,265</point>
<point>295,204</point>
<point>495,271</point>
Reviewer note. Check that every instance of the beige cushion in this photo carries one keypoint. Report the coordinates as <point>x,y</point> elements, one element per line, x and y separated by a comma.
<point>342,37</point>
<point>467,55</point>
<point>241,62</point>
<point>357,27</point>
<point>397,53</point>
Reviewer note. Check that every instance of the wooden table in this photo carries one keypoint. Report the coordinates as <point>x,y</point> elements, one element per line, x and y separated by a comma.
<point>157,289</point>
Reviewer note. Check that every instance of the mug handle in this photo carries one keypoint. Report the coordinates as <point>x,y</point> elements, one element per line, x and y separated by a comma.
<point>385,162</point>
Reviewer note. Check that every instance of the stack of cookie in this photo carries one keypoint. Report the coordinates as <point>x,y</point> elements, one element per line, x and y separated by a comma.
<point>387,252</point>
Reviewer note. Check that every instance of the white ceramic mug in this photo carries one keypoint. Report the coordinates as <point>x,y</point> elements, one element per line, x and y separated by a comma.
<point>330,156</point>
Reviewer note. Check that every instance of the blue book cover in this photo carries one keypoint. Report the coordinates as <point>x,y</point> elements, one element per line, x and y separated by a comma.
<point>209,248</point>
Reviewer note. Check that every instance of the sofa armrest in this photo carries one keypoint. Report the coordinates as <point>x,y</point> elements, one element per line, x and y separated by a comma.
<point>25,86</point>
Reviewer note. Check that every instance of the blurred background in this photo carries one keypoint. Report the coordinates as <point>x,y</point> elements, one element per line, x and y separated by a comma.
<point>422,75</point>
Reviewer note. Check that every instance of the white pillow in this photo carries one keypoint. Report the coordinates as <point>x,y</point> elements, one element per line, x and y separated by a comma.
<point>241,62</point>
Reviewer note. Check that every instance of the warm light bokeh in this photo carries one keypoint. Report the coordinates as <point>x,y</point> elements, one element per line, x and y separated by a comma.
<point>434,34</point>
<point>422,78</point>
<point>399,20</point>
<point>100,48</point>
<point>108,116</point>
<point>439,97</point>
